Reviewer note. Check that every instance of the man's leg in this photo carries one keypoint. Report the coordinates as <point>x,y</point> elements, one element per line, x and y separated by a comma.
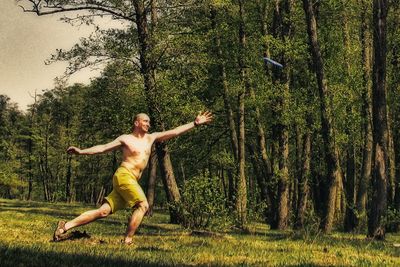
<point>135,220</point>
<point>89,216</point>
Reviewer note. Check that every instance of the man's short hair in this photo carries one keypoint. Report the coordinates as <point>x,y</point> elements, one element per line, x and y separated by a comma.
<point>137,116</point>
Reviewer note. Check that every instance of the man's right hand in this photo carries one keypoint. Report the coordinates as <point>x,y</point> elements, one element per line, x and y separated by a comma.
<point>73,150</point>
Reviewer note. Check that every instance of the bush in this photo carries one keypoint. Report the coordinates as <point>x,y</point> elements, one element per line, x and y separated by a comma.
<point>11,185</point>
<point>203,205</point>
<point>392,220</point>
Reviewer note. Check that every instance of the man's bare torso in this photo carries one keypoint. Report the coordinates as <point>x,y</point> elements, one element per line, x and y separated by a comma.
<point>136,152</point>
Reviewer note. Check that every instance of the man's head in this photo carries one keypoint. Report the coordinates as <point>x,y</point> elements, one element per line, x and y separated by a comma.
<point>141,122</point>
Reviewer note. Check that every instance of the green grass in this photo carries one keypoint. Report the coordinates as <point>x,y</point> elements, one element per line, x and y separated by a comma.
<point>26,230</point>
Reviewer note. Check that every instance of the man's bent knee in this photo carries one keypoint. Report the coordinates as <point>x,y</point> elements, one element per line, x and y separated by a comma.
<point>104,210</point>
<point>143,206</point>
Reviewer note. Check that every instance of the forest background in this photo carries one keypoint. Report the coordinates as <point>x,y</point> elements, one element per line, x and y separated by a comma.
<point>311,144</point>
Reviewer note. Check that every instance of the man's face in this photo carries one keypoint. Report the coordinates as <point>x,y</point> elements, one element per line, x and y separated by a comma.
<point>143,123</point>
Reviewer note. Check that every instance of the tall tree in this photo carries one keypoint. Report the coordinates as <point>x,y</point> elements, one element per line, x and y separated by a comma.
<point>331,150</point>
<point>365,176</point>
<point>376,224</point>
<point>241,197</point>
<point>304,187</point>
<point>147,67</point>
<point>225,95</point>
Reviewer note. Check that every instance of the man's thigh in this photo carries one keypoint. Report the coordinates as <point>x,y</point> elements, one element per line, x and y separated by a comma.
<point>132,193</point>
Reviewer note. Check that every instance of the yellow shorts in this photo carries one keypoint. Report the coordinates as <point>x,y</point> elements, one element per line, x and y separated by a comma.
<point>126,191</point>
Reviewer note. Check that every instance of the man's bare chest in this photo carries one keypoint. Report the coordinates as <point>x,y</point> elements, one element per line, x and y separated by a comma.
<point>136,146</point>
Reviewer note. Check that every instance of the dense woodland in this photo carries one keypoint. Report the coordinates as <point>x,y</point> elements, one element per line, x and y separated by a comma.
<point>312,143</point>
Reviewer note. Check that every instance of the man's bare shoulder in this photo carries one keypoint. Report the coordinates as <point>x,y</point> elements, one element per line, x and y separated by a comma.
<point>153,136</point>
<point>124,139</point>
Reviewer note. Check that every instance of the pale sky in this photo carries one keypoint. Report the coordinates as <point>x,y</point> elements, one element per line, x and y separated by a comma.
<point>26,41</point>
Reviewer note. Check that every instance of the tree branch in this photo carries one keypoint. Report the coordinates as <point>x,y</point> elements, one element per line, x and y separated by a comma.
<point>38,9</point>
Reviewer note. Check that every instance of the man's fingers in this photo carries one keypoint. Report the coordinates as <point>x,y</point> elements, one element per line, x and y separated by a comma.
<point>206,113</point>
<point>205,116</point>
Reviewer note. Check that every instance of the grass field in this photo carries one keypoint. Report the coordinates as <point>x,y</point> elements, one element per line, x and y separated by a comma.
<point>26,231</point>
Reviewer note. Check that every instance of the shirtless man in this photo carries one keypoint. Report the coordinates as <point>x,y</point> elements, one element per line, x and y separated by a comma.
<point>136,148</point>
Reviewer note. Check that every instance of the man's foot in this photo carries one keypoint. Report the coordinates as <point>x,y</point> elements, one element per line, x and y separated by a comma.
<point>60,230</point>
<point>127,241</point>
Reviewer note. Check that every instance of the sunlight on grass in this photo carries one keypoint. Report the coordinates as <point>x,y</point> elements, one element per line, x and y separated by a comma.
<point>26,230</point>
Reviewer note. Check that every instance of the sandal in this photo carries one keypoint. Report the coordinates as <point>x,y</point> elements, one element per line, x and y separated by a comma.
<point>127,243</point>
<point>57,233</point>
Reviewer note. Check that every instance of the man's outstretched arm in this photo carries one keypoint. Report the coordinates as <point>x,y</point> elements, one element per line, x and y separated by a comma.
<point>96,149</point>
<point>202,118</point>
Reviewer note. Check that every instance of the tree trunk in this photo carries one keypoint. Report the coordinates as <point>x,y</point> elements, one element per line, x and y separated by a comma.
<point>262,8</point>
<point>349,222</point>
<point>151,184</point>
<point>361,200</point>
<point>260,175</point>
<point>241,197</point>
<point>100,196</point>
<point>282,29</point>
<point>348,195</point>
<point>395,112</point>
<point>298,170</point>
<point>169,182</point>
<point>148,71</point>
<point>30,165</point>
<point>68,191</point>
<point>376,224</point>
<point>283,189</point>
<point>224,187</point>
<point>304,178</point>
<point>225,94</point>
<point>397,197</point>
<point>391,160</point>
<point>267,162</point>
<point>331,151</point>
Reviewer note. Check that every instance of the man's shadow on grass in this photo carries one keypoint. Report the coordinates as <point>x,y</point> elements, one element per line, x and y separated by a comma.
<point>17,256</point>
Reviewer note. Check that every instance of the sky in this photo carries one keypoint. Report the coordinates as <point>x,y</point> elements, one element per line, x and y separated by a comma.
<point>26,41</point>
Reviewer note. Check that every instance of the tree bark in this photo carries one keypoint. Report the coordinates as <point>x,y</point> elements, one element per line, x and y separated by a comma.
<point>297,171</point>
<point>331,151</point>
<point>225,94</point>
<point>391,160</point>
<point>30,148</point>
<point>151,184</point>
<point>68,178</point>
<point>348,199</point>
<point>305,174</point>
<point>361,200</point>
<point>261,146</point>
<point>241,197</point>
<point>393,26</point>
<point>282,29</point>
<point>349,222</point>
<point>148,72</point>
<point>376,224</point>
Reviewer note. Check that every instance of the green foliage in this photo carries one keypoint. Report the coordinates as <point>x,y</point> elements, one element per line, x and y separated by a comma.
<point>203,204</point>
<point>392,219</point>
<point>311,227</point>
<point>11,184</point>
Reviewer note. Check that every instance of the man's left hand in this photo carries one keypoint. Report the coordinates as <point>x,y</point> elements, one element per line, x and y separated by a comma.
<point>203,118</point>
